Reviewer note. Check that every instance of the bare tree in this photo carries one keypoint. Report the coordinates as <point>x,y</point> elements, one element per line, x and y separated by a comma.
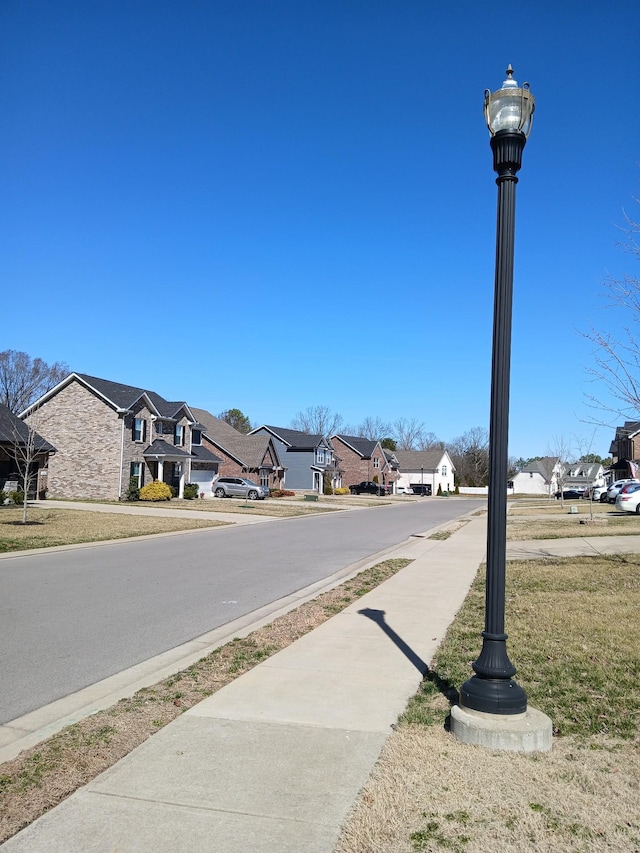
<point>373,429</point>
<point>318,420</point>
<point>560,449</point>
<point>23,379</point>
<point>617,358</point>
<point>430,441</point>
<point>25,448</point>
<point>408,433</point>
<point>469,453</point>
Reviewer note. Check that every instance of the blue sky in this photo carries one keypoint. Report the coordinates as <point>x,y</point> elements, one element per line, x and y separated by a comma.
<point>276,204</point>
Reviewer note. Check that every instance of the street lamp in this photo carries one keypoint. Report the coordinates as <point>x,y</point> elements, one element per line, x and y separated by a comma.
<point>509,115</point>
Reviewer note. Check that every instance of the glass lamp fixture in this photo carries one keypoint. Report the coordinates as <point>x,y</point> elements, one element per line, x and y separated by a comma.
<point>509,108</point>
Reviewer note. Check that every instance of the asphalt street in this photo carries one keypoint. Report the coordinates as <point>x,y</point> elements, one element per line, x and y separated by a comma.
<point>71,618</point>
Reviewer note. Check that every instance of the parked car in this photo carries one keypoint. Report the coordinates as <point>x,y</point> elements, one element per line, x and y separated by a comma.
<point>421,489</point>
<point>239,487</point>
<point>570,494</point>
<point>368,487</point>
<point>597,492</point>
<point>628,499</point>
<point>404,490</point>
<point>614,489</point>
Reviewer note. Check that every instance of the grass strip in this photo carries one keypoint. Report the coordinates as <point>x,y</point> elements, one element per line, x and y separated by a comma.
<point>41,777</point>
<point>575,637</point>
<point>47,528</point>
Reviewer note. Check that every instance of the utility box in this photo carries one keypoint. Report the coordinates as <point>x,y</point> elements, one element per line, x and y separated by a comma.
<point>573,510</point>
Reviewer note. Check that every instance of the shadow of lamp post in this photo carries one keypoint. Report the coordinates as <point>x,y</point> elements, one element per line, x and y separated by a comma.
<point>509,115</point>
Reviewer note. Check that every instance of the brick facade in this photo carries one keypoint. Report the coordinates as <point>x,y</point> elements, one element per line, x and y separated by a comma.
<point>87,435</point>
<point>97,445</point>
<point>356,468</point>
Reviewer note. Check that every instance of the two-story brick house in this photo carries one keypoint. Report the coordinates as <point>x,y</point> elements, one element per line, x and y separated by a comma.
<point>106,432</point>
<point>252,456</point>
<point>364,459</point>
<point>625,451</point>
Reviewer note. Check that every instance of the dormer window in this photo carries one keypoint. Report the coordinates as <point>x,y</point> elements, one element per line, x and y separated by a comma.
<point>196,436</point>
<point>320,457</point>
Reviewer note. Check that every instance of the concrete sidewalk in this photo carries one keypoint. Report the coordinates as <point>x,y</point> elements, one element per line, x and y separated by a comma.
<point>273,762</point>
<point>583,546</point>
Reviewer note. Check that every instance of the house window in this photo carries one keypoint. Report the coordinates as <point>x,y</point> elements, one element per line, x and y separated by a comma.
<point>137,471</point>
<point>139,429</point>
<point>376,462</point>
<point>196,436</point>
<point>159,427</point>
<point>444,470</point>
<point>320,457</point>
<point>179,435</point>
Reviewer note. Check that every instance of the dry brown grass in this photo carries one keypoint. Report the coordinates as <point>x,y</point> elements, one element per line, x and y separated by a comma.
<point>575,637</point>
<point>557,523</point>
<point>41,777</point>
<point>276,508</point>
<point>56,526</point>
<point>429,792</point>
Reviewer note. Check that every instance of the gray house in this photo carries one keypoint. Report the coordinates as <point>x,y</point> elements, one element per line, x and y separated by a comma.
<point>307,458</point>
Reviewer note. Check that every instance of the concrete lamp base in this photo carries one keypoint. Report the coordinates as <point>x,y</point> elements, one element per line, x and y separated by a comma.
<point>528,732</point>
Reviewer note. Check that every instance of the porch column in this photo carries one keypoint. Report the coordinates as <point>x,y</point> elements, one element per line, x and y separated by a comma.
<point>161,470</point>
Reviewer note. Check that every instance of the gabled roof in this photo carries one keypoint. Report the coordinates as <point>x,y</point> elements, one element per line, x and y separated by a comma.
<point>14,431</point>
<point>120,397</point>
<point>364,447</point>
<point>203,454</point>
<point>544,467</point>
<point>414,460</point>
<point>163,448</point>
<point>294,438</point>
<point>629,430</point>
<point>248,450</point>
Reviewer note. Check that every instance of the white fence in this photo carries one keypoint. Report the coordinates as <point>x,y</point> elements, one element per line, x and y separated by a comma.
<point>478,490</point>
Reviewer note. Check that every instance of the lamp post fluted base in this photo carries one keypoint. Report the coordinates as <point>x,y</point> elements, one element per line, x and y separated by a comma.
<point>501,696</point>
<point>492,689</point>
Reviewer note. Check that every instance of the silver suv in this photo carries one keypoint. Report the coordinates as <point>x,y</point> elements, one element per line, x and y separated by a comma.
<point>239,487</point>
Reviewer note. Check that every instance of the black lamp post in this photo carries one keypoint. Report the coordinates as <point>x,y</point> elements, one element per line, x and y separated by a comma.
<point>509,115</point>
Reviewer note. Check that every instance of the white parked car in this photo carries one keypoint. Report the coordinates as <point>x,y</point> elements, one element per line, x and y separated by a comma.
<point>614,489</point>
<point>629,500</point>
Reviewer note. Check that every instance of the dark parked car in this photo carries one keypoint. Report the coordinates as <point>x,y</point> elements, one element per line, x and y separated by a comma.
<point>368,487</point>
<point>570,494</point>
<point>421,489</point>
